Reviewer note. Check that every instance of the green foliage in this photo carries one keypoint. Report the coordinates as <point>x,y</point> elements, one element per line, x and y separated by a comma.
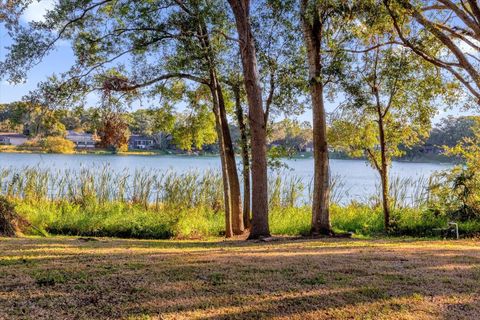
<point>402,90</point>
<point>290,134</point>
<point>57,145</point>
<point>456,192</point>
<point>151,204</point>
<point>390,91</point>
<point>150,121</point>
<point>196,127</point>
<point>53,144</point>
<point>116,219</point>
<point>452,130</point>
<point>33,119</point>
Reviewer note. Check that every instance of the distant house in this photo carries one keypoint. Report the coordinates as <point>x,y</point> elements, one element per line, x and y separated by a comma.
<point>138,141</point>
<point>82,140</point>
<point>308,147</point>
<point>12,138</point>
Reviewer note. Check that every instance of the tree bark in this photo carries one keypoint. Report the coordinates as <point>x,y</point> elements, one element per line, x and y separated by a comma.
<point>260,227</point>
<point>312,29</point>
<point>235,216</point>
<point>384,173</point>
<point>245,157</point>
<point>231,166</point>
<point>225,180</point>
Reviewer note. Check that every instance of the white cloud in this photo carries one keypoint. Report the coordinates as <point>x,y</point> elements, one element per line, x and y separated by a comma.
<point>36,11</point>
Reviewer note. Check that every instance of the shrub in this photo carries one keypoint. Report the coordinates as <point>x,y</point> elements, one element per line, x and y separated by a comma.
<point>57,145</point>
<point>31,145</point>
<point>10,222</point>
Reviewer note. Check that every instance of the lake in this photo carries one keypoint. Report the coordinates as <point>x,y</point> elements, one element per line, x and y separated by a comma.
<point>359,178</point>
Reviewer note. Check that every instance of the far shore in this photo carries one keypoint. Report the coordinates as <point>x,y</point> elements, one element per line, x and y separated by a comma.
<point>434,158</point>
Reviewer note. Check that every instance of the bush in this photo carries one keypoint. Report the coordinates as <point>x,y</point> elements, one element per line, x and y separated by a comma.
<point>31,145</point>
<point>11,223</point>
<point>57,145</point>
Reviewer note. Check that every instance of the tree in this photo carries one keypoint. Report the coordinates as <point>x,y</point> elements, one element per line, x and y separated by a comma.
<point>114,133</point>
<point>114,42</point>
<point>256,114</point>
<point>141,122</point>
<point>454,27</point>
<point>323,24</point>
<point>12,115</point>
<point>238,95</point>
<point>10,11</point>
<point>155,122</point>
<point>291,135</point>
<point>455,192</point>
<point>196,126</point>
<point>33,119</point>
<point>281,73</point>
<point>390,97</point>
<point>451,131</point>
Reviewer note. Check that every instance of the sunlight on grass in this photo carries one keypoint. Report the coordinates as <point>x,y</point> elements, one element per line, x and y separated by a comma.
<point>331,278</point>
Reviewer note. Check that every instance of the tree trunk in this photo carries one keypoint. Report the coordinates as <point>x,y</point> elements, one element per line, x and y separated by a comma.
<point>384,174</point>
<point>225,180</point>
<point>312,29</point>
<point>260,227</point>
<point>227,151</point>
<point>321,181</point>
<point>245,157</point>
<point>231,164</point>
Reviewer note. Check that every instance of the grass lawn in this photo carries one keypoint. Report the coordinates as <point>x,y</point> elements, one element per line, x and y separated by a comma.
<point>67,278</point>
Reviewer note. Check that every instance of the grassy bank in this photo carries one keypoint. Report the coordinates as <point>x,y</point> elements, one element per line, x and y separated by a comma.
<point>166,204</point>
<point>116,219</point>
<point>67,278</point>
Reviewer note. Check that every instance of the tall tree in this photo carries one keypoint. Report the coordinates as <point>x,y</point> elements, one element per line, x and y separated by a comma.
<point>147,43</point>
<point>390,100</point>
<point>244,147</point>
<point>324,25</point>
<point>256,114</point>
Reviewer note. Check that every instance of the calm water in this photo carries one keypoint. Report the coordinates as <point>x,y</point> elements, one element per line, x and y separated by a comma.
<point>359,178</point>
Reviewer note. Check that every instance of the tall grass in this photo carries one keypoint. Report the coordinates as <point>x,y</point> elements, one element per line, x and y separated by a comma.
<point>160,204</point>
<point>101,185</point>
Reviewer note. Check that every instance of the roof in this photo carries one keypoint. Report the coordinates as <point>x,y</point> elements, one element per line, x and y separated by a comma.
<point>136,137</point>
<point>13,135</point>
<point>78,134</point>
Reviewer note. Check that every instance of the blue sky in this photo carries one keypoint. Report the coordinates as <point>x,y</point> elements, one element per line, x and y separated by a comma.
<point>62,58</point>
<point>57,62</point>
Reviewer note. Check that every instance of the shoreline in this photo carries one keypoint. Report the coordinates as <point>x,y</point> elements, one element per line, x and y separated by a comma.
<point>301,156</point>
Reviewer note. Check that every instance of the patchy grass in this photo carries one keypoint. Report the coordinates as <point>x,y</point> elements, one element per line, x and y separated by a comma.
<point>66,278</point>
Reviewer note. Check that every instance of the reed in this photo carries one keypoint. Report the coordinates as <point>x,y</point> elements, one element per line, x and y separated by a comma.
<point>100,201</point>
<point>101,185</point>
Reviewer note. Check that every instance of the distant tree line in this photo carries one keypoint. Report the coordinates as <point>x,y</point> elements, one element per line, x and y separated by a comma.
<point>286,138</point>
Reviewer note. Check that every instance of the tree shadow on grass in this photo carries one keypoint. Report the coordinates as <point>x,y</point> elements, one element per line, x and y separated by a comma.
<point>313,278</point>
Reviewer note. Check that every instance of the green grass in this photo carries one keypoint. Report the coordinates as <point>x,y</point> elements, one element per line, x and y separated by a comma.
<point>165,204</point>
<point>118,219</point>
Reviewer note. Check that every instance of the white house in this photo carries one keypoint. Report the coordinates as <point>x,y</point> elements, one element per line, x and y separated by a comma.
<point>82,140</point>
<point>12,138</point>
